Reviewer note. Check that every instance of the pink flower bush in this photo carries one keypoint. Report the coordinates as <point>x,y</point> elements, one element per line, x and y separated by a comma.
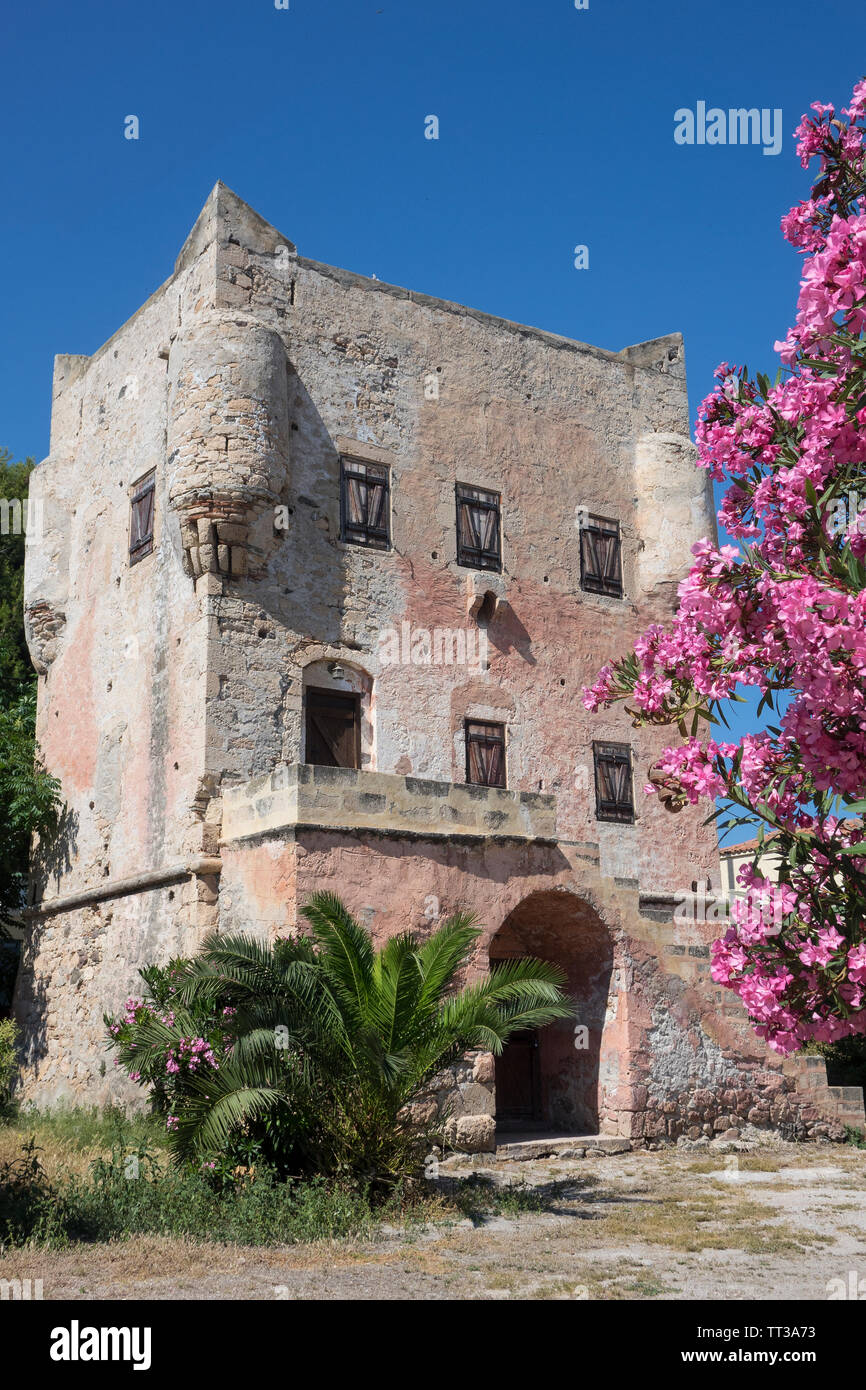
<point>784,612</point>
<point>166,1046</point>
<point>191,1053</point>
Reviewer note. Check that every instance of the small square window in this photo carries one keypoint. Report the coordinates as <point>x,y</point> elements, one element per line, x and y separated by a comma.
<point>365,503</point>
<point>485,754</point>
<point>601,556</point>
<point>141,505</point>
<point>613,789</point>
<point>478,528</point>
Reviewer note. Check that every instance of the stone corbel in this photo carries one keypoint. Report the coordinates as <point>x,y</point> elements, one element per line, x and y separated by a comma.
<point>485,595</point>
<point>42,628</point>
<point>215,532</point>
<point>671,792</point>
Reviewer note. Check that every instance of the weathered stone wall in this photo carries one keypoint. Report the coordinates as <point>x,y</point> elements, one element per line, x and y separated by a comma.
<point>122,655</point>
<point>443,395</point>
<point>339,796</point>
<point>77,966</point>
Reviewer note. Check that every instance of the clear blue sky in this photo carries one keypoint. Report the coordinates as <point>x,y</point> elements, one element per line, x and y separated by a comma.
<point>556,129</point>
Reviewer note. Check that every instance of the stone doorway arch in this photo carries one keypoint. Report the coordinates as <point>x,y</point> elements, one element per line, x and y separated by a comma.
<point>550,1081</point>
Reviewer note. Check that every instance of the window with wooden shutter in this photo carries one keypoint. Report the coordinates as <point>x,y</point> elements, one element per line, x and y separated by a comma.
<point>601,556</point>
<point>613,782</point>
<point>365,503</point>
<point>141,518</point>
<point>333,727</point>
<point>478,528</point>
<point>485,754</point>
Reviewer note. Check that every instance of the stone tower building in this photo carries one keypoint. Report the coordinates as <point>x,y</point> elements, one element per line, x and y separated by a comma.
<point>325,565</point>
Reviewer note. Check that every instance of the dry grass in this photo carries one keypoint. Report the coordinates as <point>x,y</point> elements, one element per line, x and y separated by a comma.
<point>746,1163</point>
<point>685,1221</point>
<point>69,1141</point>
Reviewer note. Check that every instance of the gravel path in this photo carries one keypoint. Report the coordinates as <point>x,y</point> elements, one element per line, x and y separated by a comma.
<point>779,1222</point>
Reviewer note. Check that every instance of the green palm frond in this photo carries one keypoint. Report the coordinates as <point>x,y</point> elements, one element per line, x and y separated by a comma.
<point>247,962</point>
<point>522,972</point>
<point>442,956</point>
<point>524,994</point>
<point>219,1105</point>
<point>394,996</point>
<point>345,953</point>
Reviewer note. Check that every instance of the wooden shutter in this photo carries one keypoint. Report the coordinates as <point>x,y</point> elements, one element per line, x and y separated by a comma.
<point>364,508</point>
<point>333,728</point>
<point>141,518</point>
<point>613,782</point>
<point>478,529</point>
<point>485,754</point>
<point>601,557</point>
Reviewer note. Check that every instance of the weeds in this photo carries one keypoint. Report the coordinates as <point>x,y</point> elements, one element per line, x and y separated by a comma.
<point>136,1192</point>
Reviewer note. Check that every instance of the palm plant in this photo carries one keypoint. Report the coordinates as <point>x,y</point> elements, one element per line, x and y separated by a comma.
<point>396,1020</point>
<point>359,1035</point>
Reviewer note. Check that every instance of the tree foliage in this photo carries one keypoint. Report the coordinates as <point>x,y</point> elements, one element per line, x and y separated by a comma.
<point>29,800</point>
<point>16,672</point>
<point>29,797</point>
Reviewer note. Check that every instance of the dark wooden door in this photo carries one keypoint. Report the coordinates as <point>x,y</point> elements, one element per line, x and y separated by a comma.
<point>518,1082</point>
<point>333,728</point>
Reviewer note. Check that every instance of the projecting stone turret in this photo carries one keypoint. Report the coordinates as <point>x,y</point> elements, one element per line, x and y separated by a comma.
<point>227,438</point>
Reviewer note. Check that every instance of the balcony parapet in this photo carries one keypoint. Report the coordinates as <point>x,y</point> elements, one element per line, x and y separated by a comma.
<point>298,794</point>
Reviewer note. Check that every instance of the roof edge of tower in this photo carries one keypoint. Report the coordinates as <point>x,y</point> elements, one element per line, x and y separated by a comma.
<point>225,218</point>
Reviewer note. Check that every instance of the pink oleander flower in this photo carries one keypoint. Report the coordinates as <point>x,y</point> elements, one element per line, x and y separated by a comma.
<point>857,963</point>
<point>784,613</point>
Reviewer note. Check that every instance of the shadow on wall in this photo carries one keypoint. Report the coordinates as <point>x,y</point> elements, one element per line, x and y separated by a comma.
<point>52,858</point>
<point>507,633</point>
<point>31,1001</point>
<point>550,1079</point>
<point>349,860</point>
<point>313,604</point>
<point>10,954</point>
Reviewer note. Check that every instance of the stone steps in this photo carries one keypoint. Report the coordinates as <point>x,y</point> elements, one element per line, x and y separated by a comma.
<point>561,1146</point>
<point>841,1103</point>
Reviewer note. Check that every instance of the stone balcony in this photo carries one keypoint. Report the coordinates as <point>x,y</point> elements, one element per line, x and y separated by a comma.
<point>299,795</point>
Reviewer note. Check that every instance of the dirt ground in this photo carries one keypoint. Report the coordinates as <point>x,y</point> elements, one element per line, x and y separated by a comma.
<point>784,1222</point>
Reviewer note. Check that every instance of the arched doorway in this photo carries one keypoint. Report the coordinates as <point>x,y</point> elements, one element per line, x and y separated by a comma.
<point>549,1080</point>
<point>337,722</point>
